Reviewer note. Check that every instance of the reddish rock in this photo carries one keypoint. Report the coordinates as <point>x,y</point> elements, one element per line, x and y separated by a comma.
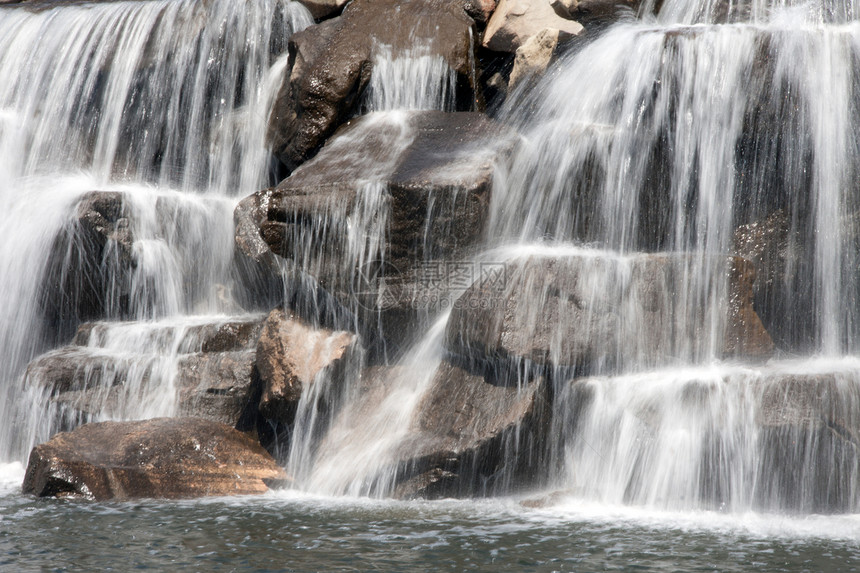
<point>290,356</point>
<point>161,458</point>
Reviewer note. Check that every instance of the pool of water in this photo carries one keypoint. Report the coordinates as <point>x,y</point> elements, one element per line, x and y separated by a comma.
<point>290,531</point>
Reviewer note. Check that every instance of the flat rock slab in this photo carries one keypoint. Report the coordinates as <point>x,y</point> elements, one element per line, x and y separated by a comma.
<point>598,312</point>
<point>207,366</point>
<point>160,458</point>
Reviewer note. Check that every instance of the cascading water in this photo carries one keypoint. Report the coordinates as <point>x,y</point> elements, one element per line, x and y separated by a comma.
<point>680,136</point>
<point>155,102</point>
<point>686,129</point>
<point>593,352</point>
<point>685,132</point>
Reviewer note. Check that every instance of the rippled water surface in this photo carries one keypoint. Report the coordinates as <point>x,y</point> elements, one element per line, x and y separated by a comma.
<point>283,531</point>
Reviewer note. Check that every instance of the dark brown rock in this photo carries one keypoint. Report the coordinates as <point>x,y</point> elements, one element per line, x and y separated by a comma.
<point>471,433</point>
<point>600,312</point>
<point>417,182</point>
<point>91,257</point>
<point>290,356</point>
<point>162,458</point>
<point>465,412</point>
<point>331,63</point>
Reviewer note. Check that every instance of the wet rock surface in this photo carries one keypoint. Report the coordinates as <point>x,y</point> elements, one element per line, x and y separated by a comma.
<point>204,370</point>
<point>593,313</point>
<point>90,260</point>
<point>290,356</point>
<point>473,433</point>
<point>331,63</point>
<point>161,458</point>
<point>419,183</point>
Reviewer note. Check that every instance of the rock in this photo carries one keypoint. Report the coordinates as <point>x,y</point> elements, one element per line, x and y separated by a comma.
<point>391,193</point>
<point>91,259</point>
<point>597,312</point>
<point>784,289</point>
<point>468,433</point>
<point>808,440</point>
<point>479,10</point>
<point>565,8</point>
<point>290,356</point>
<point>779,438</point>
<point>218,386</point>
<point>477,432</point>
<point>745,334</point>
<point>590,10</point>
<point>331,64</point>
<point>257,269</point>
<point>163,458</point>
<point>204,370</point>
<point>535,55</point>
<point>515,21</point>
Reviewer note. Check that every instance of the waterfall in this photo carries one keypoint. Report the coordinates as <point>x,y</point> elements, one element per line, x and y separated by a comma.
<point>127,129</point>
<point>410,79</point>
<point>649,153</point>
<point>675,134</point>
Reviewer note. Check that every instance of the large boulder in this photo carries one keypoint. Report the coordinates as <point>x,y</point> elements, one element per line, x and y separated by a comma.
<point>596,312</point>
<point>515,21</point>
<point>460,432</point>
<point>474,433</point>
<point>161,458</point>
<point>331,64</point>
<point>291,355</point>
<point>390,194</point>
